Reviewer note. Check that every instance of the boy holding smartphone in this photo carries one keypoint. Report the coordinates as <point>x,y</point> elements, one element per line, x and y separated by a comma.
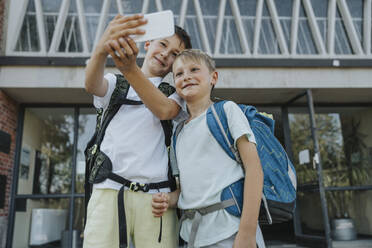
<point>134,139</point>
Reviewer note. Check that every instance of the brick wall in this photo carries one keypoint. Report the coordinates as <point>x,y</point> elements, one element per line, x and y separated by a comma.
<point>8,124</point>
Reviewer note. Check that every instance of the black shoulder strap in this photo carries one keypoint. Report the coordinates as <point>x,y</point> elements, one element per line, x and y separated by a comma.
<point>103,119</point>
<point>166,88</point>
<point>167,125</point>
<point>118,98</point>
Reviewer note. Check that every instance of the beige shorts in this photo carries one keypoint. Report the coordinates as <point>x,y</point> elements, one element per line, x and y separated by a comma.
<point>102,226</point>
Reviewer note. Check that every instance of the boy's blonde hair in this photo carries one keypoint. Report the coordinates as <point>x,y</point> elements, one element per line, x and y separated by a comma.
<point>197,56</point>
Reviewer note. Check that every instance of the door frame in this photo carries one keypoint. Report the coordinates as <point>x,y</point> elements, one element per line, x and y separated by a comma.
<point>301,238</point>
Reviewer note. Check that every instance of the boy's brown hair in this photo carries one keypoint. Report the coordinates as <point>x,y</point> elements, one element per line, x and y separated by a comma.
<point>198,56</point>
<point>183,36</point>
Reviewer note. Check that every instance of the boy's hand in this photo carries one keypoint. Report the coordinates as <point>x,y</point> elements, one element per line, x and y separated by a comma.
<point>124,52</point>
<point>244,241</point>
<point>160,204</point>
<point>120,26</point>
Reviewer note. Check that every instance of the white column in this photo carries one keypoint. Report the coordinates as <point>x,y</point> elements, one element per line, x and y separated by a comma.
<point>16,17</point>
<point>40,26</point>
<point>203,32</point>
<point>145,6</point>
<point>257,26</point>
<point>183,13</point>
<point>294,26</point>
<point>239,27</point>
<point>120,7</point>
<point>367,26</point>
<point>159,6</point>
<point>331,27</point>
<point>350,28</point>
<point>82,26</point>
<point>102,21</point>
<point>277,27</point>
<point>314,27</point>
<point>60,25</point>
<point>221,14</point>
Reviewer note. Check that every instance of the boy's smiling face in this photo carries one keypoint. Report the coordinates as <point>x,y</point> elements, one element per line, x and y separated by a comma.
<point>193,79</point>
<point>160,55</point>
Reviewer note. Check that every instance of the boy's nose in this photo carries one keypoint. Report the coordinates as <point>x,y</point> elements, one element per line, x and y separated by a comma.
<point>187,76</point>
<point>164,53</point>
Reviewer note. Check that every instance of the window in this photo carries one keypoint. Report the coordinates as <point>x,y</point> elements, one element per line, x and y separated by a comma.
<point>48,205</point>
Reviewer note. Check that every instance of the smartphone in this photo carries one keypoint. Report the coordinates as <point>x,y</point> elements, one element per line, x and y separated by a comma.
<point>159,25</point>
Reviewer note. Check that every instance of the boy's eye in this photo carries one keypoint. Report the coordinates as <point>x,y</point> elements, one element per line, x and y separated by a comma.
<point>163,44</point>
<point>194,69</point>
<point>175,54</point>
<point>178,74</point>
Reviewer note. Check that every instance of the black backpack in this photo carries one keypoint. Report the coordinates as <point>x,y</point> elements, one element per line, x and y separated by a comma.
<point>98,165</point>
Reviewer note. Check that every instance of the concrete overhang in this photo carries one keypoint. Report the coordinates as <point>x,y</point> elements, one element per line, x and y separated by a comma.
<point>47,84</point>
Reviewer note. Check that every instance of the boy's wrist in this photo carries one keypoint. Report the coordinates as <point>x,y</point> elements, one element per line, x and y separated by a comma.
<point>247,231</point>
<point>99,54</point>
<point>131,70</point>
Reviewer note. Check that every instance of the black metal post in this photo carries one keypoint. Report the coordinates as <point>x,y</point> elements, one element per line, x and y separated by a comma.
<point>323,199</point>
<point>288,148</point>
<point>13,192</point>
<point>73,175</point>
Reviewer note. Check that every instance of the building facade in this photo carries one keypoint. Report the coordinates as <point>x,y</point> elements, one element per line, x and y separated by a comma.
<point>308,62</point>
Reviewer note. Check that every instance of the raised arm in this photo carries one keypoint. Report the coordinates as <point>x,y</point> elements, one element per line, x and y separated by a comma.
<point>160,105</point>
<point>253,184</point>
<point>120,26</point>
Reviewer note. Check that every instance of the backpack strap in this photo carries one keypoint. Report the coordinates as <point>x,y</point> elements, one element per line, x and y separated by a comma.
<point>172,152</point>
<point>219,128</point>
<point>196,216</point>
<point>167,125</point>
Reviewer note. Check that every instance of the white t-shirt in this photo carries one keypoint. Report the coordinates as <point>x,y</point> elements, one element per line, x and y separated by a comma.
<point>205,170</point>
<point>134,140</point>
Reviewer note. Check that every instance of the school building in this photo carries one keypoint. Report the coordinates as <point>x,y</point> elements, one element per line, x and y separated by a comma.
<point>307,62</point>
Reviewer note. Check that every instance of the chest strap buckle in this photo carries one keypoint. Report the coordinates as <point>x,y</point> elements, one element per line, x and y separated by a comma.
<point>134,186</point>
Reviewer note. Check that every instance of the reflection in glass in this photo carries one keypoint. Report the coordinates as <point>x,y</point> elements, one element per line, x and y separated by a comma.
<point>230,42</point>
<point>210,13</point>
<point>40,222</point>
<point>71,37</point>
<point>342,42</point>
<point>79,213</point>
<point>50,13</point>
<point>268,42</point>
<point>310,208</point>
<point>339,203</point>
<point>92,10</point>
<point>28,39</point>
<point>87,124</point>
<point>344,142</point>
<point>305,43</point>
<point>301,140</point>
<point>48,136</point>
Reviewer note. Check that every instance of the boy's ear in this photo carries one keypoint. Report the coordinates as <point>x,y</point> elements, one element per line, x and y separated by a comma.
<point>214,78</point>
<point>147,44</point>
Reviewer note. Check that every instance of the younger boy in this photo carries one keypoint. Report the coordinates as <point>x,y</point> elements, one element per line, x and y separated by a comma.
<point>134,139</point>
<point>205,169</point>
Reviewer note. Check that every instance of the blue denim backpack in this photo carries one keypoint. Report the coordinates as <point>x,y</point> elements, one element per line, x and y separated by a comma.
<point>279,190</point>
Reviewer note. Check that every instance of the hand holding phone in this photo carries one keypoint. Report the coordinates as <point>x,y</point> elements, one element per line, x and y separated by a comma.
<point>159,25</point>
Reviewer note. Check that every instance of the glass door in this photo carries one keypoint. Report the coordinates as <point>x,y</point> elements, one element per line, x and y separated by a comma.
<point>301,139</point>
